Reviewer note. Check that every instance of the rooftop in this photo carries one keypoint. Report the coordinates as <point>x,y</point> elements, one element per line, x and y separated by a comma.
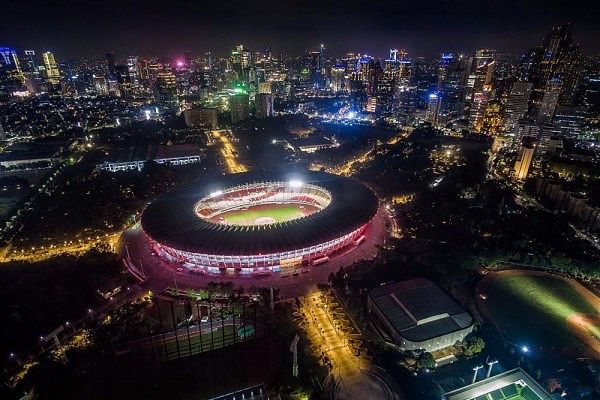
<point>153,152</point>
<point>515,384</point>
<point>419,310</point>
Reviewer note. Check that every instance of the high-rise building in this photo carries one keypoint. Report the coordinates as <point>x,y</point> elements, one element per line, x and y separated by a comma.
<point>11,75</point>
<point>238,107</point>
<point>165,89</point>
<point>100,85</point>
<point>51,68</point>
<point>516,105</point>
<point>549,101</point>
<point>524,159</point>
<point>481,74</point>
<point>30,64</point>
<point>433,109</point>
<point>557,58</point>
<point>478,108</point>
<point>264,105</point>
<point>110,63</point>
<point>453,71</point>
<point>570,120</point>
<point>201,117</point>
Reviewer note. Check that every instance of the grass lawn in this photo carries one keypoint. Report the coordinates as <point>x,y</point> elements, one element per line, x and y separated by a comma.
<point>534,309</point>
<point>278,213</point>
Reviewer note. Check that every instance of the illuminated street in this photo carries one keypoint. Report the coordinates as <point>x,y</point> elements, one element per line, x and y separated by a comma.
<point>228,153</point>
<point>328,328</point>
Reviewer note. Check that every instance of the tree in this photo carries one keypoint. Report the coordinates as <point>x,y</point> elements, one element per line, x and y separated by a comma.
<point>426,361</point>
<point>474,345</point>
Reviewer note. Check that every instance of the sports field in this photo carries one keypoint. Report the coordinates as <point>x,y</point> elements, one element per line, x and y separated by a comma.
<point>265,214</point>
<point>540,310</point>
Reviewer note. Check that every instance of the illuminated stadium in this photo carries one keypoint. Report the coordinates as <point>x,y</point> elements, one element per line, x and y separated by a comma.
<point>510,385</point>
<point>259,222</point>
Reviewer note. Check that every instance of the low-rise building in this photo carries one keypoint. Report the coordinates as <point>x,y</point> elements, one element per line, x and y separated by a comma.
<point>135,158</point>
<point>417,315</point>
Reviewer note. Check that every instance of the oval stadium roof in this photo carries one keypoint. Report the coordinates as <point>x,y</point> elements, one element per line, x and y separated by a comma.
<point>172,221</point>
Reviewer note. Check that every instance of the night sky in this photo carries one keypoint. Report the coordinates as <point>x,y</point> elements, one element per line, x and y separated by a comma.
<point>169,27</point>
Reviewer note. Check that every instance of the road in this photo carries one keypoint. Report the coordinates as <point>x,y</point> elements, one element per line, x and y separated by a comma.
<point>352,375</point>
<point>228,152</point>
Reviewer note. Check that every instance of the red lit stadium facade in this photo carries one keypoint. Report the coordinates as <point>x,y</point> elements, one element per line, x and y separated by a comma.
<point>190,227</point>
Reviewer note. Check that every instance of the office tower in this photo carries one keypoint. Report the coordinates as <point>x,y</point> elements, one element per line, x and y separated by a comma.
<point>265,87</point>
<point>549,101</point>
<point>110,63</point>
<point>453,71</point>
<point>570,120</point>
<point>481,74</point>
<point>264,105</point>
<point>114,88</point>
<point>556,58</point>
<point>561,60</point>
<point>51,67</point>
<point>524,128</point>
<point>238,106</point>
<point>133,69</point>
<point>100,85</point>
<point>433,108</point>
<point>201,117</point>
<point>517,104</point>
<point>165,89</point>
<point>188,59</point>
<point>524,159</point>
<point>478,108</point>
<point>591,94</point>
<point>371,105</point>
<point>11,76</point>
<point>338,78</point>
<point>372,75</point>
<point>30,64</point>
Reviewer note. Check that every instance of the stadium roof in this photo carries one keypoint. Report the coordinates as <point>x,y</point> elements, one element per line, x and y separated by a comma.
<point>419,310</point>
<point>171,220</point>
<point>515,384</point>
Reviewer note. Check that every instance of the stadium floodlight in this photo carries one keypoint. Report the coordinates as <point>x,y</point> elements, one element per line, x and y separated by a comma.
<point>216,193</point>
<point>295,183</point>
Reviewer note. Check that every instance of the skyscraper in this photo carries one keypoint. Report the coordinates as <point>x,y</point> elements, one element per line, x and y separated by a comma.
<point>549,101</point>
<point>453,71</point>
<point>238,106</point>
<point>523,162</point>
<point>433,108</point>
<point>517,104</point>
<point>165,89</point>
<point>110,63</point>
<point>481,75</point>
<point>557,58</point>
<point>11,76</point>
<point>264,105</point>
<point>51,67</point>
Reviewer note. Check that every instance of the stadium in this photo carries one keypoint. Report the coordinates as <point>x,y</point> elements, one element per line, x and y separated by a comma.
<point>259,221</point>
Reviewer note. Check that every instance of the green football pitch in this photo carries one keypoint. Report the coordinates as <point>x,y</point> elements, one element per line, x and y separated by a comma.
<point>534,309</point>
<point>279,213</point>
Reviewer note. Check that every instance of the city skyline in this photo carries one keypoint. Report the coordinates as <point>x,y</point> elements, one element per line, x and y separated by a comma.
<point>423,29</point>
